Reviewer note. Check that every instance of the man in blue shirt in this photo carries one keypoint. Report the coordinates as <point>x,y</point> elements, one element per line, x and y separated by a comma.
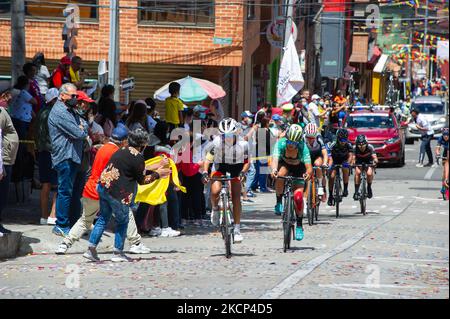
<point>67,133</point>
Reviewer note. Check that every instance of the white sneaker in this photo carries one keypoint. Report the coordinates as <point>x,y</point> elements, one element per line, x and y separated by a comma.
<point>320,191</point>
<point>119,257</point>
<point>419,165</point>
<point>51,221</point>
<point>435,165</point>
<point>215,216</point>
<point>43,221</point>
<point>62,249</point>
<point>238,237</point>
<point>155,232</point>
<point>169,232</point>
<point>139,249</point>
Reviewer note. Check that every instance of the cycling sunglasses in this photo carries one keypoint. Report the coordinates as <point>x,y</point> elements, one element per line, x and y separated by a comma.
<point>343,140</point>
<point>292,143</point>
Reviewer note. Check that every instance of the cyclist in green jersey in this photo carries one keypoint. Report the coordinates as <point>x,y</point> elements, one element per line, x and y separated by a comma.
<point>292,157</point>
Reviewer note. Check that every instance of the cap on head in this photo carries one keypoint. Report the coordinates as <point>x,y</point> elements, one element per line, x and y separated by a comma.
<point>276,117</point>
<point>287,107</point>
<point>82,96</point>
<point>315,97</point>
<point>65,60</point>
<point>120,133</point>
<point>246,114</point>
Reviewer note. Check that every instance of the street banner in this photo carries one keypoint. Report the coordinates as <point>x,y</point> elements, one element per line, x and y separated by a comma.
<point>442,50</point>
<point>290,80</point>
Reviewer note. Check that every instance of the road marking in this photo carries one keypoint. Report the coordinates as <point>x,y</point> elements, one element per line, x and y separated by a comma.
<point>264,221</point>
<point>370,292</point>
<point>433,199</point>
<point>293,279</point>
<point>369,286</point>
<point>430,173</point>
<point>420,246</point>
<point>443,261</point>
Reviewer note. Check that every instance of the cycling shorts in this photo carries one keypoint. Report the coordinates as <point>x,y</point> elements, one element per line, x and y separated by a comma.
<point>294,170</point>
<point>233,169</point>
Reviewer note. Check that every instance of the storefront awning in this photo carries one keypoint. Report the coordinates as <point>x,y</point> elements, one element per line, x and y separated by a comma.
<point>381,64</point>
<point>360,48</point>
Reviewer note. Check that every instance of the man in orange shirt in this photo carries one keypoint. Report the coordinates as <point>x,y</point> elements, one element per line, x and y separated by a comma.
<point>91,202</point>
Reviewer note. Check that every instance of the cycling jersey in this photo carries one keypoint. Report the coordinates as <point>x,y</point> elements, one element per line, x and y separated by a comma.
<point>221,152</point>
<point>303,155</point>
<point>365,157</point>
<point>444,144</point>
<point>316,148</point>
<point>340,152</point>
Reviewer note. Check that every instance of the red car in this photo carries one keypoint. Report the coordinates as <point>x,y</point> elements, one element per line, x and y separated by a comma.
<point>382,130</point>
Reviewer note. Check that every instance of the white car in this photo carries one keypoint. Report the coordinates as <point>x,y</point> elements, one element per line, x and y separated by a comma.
<point>435,110</point>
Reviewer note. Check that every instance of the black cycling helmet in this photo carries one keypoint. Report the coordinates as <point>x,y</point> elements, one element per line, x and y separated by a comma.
<point>361,140</point>
<point>342,135</point>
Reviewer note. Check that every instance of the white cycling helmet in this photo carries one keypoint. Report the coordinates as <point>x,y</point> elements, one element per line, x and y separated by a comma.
<point>228,126</point>
<point>311,130</point>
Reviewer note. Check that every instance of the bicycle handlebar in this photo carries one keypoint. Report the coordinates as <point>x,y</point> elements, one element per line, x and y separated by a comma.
<point>291,178</point>
<point>222,179</point>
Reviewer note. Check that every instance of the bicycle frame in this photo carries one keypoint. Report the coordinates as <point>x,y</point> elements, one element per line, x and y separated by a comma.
<point>289,215</point>
<point>226,223</point>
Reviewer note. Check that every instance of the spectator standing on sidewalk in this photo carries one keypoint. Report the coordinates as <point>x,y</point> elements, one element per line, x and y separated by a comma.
<point>30,70</point>
<point>8,150</point>
<point>47,175</point>
<point>67,133</point>
<point>427,136</point>
<point>106,116</point>
<point>42,76</point>
<point>76,72</point>
<point>174,107</point>
<point>61,75</point>
<point>117,190</point>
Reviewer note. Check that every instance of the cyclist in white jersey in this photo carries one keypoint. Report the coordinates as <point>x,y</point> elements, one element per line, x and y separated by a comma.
<point>230,154</point>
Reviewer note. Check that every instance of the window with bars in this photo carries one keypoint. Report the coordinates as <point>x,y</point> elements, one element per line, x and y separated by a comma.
<point>176,12</point>
<point>53,9</point>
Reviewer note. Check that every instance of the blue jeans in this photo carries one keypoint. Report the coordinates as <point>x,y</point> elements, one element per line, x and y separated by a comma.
<point>4,187</point>
<point>67,172</point>
<point>108,205</point>
<point>75,204</point>
<point>260,179</point>
<point>251,174</point>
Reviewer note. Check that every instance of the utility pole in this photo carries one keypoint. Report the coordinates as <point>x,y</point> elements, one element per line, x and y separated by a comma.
<point>425,47</point>
<point>17,38</point>
<point>289,18</point>
<point>410,55</point>
<point>114,48</point>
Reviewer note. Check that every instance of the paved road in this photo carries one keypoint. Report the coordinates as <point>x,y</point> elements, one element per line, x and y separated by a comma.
<point>400,250</point>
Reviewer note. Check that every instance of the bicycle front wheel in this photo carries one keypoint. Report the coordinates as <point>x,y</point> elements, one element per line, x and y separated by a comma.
<point>337,196</point>
<point>287,224</point>
<point>363,200</point>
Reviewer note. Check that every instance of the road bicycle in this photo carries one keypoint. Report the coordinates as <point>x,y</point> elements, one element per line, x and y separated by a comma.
<point>313,203</point>
<point>337,190</point>
<point>362,192</point>
<point>226,222</point>
<point>289,216</point>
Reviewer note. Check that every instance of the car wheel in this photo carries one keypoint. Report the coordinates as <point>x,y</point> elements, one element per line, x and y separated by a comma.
<point>410,141</point>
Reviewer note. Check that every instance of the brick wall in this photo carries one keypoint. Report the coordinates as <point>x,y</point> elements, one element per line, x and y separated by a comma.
<point>144,43</point>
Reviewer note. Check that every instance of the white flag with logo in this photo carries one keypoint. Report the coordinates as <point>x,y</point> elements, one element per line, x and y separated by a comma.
<point>290,80</point>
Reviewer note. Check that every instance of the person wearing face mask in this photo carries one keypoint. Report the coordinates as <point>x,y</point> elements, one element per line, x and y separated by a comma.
<point>83,109</point>
<point>67,134</point>
<point>301,112</point>
<point>47,176</point>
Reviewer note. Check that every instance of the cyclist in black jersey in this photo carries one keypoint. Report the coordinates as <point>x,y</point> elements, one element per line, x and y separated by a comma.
<point>342,154</point>
<point>364,154</point>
